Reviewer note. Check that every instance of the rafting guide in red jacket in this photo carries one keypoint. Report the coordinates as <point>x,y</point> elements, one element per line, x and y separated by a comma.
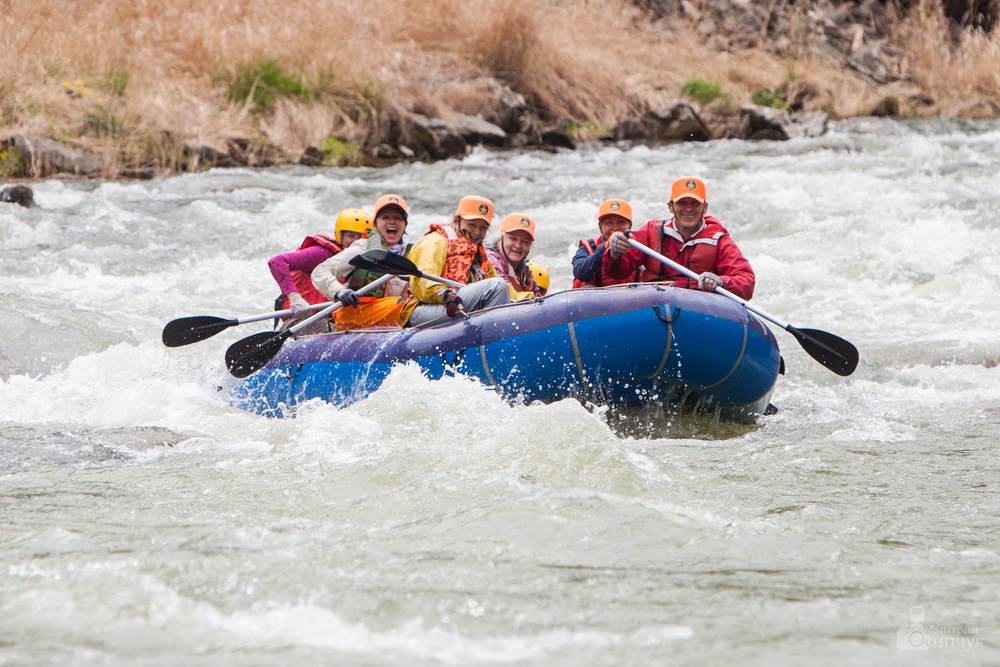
<point>691,238</point>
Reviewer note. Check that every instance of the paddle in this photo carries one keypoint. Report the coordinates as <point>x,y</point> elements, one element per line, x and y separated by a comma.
<point>187,330</point>
<point>384,261</point>
<point>834,352</point>
<point>249,355</point>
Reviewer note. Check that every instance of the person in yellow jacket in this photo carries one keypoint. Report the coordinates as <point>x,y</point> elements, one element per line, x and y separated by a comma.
<point>455,252</point>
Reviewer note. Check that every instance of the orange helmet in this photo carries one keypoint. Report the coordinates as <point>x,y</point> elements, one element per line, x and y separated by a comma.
<point>615,207</point>
<point>474,206</point>
<point>689,186</point>
<point>516,221</point>
<point>392,200</point>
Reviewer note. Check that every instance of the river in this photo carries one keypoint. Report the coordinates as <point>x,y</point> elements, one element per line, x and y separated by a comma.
<point>145,521</point>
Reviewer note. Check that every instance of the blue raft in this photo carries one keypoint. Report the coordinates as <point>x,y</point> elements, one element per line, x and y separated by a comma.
<point>625,345</point>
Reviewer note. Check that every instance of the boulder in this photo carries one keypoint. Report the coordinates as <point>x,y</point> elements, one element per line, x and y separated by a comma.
<point>679,122</point>
<point>475,130</point>
<point>42,157</point>
<point>433,137</point>
<point>494,102</point>
<point>18,194</point>
<point>780,125</point>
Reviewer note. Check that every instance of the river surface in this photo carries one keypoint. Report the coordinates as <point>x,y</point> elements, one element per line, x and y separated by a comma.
<point>145,521</point>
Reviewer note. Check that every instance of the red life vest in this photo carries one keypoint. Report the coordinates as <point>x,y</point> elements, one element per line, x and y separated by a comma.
<point>466,261</point>
<point>602,279</point>
<point>699,253</point>
<point>302,280</point>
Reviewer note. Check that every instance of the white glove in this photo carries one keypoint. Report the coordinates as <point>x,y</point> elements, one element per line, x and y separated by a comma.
<point>618,245</point>
<point>709,281</point>
<point>297,303</point>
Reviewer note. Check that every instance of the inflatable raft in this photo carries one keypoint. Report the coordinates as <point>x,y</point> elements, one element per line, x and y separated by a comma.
<point>625,345</point>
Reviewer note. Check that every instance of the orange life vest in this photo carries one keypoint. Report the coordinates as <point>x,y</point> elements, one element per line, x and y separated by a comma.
<point>466,261</point>
<point>371,312</point>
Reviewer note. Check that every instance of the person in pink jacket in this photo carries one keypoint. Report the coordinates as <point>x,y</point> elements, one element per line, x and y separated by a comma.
<point>292,270</point>
<point>690,238</point>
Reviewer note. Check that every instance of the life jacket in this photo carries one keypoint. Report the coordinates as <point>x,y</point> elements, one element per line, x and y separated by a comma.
<point>699,253</point>
<point>466,261</point>
<point>591,246</point>
<point>302,280</point>
<point>361,277</point>
<point>371,312</point>
<point>602,279</point>
<point>519,277</point>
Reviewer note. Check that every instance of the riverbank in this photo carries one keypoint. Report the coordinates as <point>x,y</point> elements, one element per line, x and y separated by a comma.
<point>135,91</point>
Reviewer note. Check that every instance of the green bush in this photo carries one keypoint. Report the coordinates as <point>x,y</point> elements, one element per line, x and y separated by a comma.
<point>337,153</point>
<point>11,165</point>
<point>265,83</point>
<point>701,91</point>
<point>767,97</point>
<point>100,123</point>
<point>586,131</point>
<point>115,81</point>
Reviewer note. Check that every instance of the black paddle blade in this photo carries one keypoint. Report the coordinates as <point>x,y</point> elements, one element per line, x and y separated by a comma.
<point>246,357</point>
<point>834,352</point>
<point>187,330</point>
<point>384,261</point>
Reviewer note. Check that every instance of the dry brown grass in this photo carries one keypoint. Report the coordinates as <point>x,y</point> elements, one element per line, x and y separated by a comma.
<point>593,60</point>
<point>963,78</point>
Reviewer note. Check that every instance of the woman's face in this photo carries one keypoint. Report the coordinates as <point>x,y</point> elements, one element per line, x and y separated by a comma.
<point>391,224</point>
<point>474,228</point>
<point>516,245</point>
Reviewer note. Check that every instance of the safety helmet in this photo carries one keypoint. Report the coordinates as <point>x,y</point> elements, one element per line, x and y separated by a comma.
<point>688,186</point>
<point>352,220</point>
<point>385,201</point>
<point>615,207</point>
<point>518,221</point>
<point>540,274</point>
<point>475,207</point>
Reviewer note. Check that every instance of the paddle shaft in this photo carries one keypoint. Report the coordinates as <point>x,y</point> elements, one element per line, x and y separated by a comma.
<point>279,313</point>
<point>438,279</point>
<point>316,317</point>
<point>835,353</point>
<point>694,276</point>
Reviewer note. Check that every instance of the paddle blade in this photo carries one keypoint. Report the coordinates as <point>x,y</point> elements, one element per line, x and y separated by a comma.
<point>384,261</point>
<point>834,352</point>
<point>247,356</point>
<point>187,330</point>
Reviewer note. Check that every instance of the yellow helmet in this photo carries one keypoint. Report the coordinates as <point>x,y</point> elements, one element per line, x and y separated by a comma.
<point>352,220</point>
<point>541,275</point>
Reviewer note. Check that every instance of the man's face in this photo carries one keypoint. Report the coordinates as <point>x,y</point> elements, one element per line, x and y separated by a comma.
<point>612,223</point>
<point>688,213</point>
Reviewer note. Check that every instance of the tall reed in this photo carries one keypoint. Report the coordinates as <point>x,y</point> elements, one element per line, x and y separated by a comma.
<point>163,74</point>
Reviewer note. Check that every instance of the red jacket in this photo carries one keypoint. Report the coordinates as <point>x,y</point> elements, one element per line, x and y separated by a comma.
<point>711,249</point>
